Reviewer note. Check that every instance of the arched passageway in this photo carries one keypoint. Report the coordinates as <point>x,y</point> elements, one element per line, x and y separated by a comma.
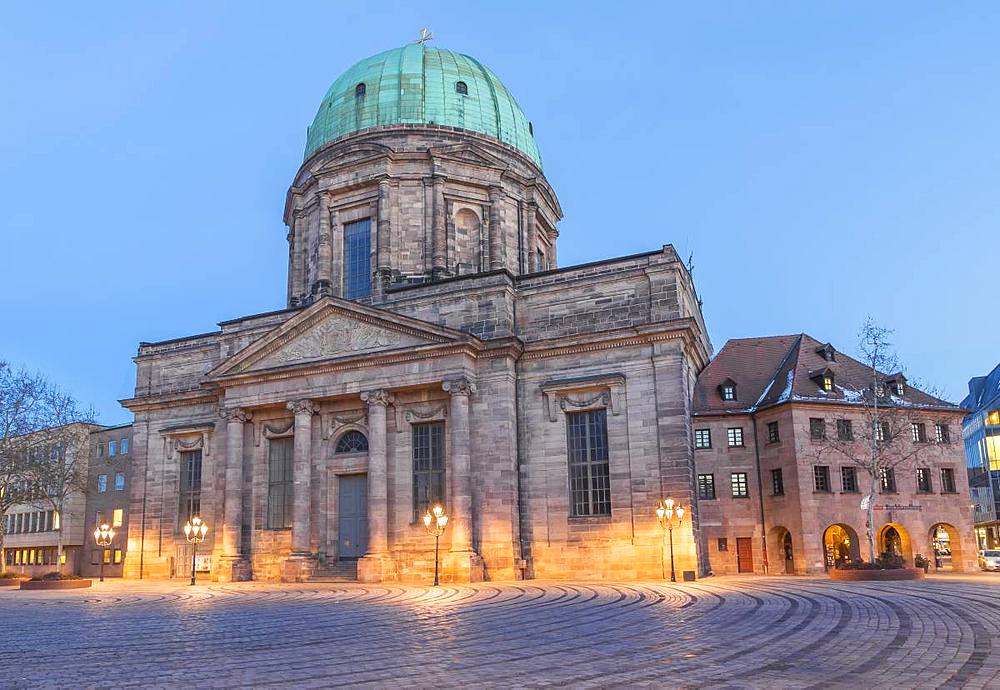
<point>945,547</point>
<point>781,552</point>
<point>893,538</point>
<point>840,544</point>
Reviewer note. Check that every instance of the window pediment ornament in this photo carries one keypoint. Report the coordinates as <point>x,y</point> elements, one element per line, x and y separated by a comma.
<point>425,413</point>
<point>334,422</point>
<point>582,393</point>
<point>278,428</point>
<point>195,436</point>
<point>235,414</point>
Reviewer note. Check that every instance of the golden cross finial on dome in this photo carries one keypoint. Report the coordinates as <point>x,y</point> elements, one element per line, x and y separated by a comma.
<point>425,36</point>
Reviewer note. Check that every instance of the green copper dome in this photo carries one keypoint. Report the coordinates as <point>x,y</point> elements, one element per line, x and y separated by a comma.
<point>416,84</point>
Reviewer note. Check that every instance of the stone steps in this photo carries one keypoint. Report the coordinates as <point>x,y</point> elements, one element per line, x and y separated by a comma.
<point>337,571</point>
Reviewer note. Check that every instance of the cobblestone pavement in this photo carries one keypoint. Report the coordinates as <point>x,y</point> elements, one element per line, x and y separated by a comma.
<point>723,632</point>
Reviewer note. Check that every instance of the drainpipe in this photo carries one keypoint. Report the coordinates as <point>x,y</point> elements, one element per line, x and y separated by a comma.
<point>760,490</point>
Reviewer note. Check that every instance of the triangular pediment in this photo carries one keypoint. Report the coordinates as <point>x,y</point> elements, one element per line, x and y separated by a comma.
<point>469,153</point>
<point>333,329</point>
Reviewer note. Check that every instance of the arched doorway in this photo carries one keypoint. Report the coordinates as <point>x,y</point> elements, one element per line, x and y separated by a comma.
<point>946,547</point>
<point>781,553</point>
<point>840,544</point>
<point>893,538</point>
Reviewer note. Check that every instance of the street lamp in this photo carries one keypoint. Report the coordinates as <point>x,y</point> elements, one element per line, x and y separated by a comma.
<point>435,521</point>
<point>194,532</point>
<point>103,536</point>
<point>670,515</point>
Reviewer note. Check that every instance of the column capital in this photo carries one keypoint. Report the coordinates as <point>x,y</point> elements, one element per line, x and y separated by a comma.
<point>305,407</point>
<point>235,414</point>
<point>495,194</point>
<point>379,396</point>
<point>459,386</point>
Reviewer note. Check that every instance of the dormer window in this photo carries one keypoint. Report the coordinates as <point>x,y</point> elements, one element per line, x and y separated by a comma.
<point>823,378</point>
<point>727,390</point>
<point>359,91</point>
<point>897,383</point>
<point>827,352</point>
<point>462,88</point>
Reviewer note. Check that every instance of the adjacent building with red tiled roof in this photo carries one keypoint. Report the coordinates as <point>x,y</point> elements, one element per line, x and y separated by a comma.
<point>775,496</point>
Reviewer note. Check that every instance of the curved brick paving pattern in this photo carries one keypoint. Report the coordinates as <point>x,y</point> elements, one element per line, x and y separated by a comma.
<point>778,632</point>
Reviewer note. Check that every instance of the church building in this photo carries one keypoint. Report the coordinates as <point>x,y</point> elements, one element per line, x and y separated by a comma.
<point>432,351</point>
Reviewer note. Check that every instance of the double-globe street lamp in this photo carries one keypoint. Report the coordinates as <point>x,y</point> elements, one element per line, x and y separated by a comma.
<point>103,536</point>
<point>195,530</point>
<point>435,521</point>
<point>670,515</point>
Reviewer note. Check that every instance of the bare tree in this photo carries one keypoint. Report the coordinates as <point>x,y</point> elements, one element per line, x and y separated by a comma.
<point>885,440</point>
<point>43,446</point>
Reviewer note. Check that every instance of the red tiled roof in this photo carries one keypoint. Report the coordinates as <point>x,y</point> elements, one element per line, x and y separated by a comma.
<point>776,369</point>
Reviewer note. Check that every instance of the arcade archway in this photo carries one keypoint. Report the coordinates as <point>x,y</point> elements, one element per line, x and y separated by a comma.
<point>840,544</point>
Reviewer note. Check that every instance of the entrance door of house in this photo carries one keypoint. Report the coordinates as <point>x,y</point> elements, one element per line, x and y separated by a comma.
<point>352,516</point>
<point>744,555</point>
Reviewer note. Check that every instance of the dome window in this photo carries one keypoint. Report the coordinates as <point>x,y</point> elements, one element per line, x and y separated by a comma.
<point>359,90</point>
<point>462,88</point>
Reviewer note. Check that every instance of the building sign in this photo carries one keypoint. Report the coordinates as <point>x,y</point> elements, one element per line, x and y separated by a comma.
<point>203,564</point>
<point>893,507</point>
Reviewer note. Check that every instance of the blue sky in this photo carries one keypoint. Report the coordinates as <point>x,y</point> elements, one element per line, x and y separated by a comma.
<point>821,161</point>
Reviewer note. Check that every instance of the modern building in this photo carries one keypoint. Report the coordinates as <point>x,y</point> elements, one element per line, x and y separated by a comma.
<point>775,492</point>
<point>108,486</point>
<point>34,527</point>
<point>981,434</point>
<point>432,350</point>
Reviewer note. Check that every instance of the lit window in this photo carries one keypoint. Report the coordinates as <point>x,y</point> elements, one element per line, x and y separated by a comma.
<point>706,486</point>
<point>123,447</point>
<point>702,438</point>
<point>112,449</point>
<point>102,483</point>
<point>117,517</point>
<point>900,389</point>
<point>118,556</point>
<point>735,436</point>
<point>120,481</point>
<point>728,392</point>
<point>828,383</point>
<point>993,418</point>
<point>56,520</point>
<point>357,259</point>
<point>739,484</point>
<point>461,87</point>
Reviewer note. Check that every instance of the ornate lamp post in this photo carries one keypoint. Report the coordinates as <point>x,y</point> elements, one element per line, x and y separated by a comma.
<point>670,515</point>
<point>103,536</point>
<point>194,532</point>
<point>435,521</point>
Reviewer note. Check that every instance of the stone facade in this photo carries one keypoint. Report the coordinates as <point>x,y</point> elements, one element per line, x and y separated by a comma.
<point>431,351</point>
<point>784,521</point>
<point>108,489</point>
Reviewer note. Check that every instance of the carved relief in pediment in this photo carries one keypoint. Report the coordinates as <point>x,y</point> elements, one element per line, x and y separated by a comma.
<point>336,337</point>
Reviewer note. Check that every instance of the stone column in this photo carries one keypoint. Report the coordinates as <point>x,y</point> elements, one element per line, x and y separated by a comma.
<point>301,476</point>
<point>439,235</point>
<point>383,237</point>
<point>324,283</point>
<point>462,563</point>
<point>530,230</point>
<point>377,565</point>
<point>232,516</point>
<point>497,259</point>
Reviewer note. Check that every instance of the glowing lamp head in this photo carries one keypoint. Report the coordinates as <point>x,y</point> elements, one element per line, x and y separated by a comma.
<point>669,504</point>
<point>442,520</point>
<point>438,510</point>
<point>661,512</point>
<point>680,513</point>
<point>427,519</point>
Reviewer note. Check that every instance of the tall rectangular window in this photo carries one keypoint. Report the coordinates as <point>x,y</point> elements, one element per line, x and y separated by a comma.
<point>120,481</point>
<point>947,480</point>
<point>817,428</point>
<point>845,430</point>
<point>821,477</point>
<point>589,470</point>
<point>706,486</point>
<point>739,484</point>
<point>123,447</point>
<point>357,259</point>
<point>702,438</point>
<point>772,432</point>
<point>428,466</point>
<point>919,432</point>
<point>102,483</point>
<point>735,437</point>
<point>923,480</point>
<point>117,517</point>
<point>941,433</point>
<point>848,480</point>
<point>777,483</point>
<point>190,494</point>
<point>887,476</point>
<point>112,448</point>
<point>279,482</point>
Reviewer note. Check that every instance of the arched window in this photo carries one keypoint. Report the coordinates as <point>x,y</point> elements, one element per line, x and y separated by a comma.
<point>359,90</point>
<point>352,442</point>
<point>462,88</point>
